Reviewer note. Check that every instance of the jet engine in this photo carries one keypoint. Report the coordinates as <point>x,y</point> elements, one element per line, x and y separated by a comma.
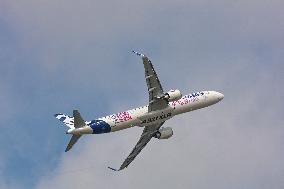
<point>164,133</point>
<point>173,95</point>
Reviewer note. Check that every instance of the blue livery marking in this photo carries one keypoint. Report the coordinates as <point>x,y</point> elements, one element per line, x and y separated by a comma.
<point>62,118</point>
<point>194,95</point>
<point>99,126</point>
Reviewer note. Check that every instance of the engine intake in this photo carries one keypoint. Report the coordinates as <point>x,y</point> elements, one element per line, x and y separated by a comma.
<point>164,133</point>
<point>173,95</point>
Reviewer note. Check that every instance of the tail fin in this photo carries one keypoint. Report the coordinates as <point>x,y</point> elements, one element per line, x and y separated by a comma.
<point>67,120</point>
<point>73,123</point>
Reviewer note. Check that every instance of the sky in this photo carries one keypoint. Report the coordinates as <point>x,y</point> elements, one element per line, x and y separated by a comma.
<point>59,55</point>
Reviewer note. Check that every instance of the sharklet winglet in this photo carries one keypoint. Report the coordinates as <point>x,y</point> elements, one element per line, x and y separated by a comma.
<point>139,54</point>
<point>113,169</point>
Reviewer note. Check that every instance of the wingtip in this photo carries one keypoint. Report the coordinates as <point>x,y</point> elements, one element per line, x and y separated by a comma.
<point>113,169</point>
<point>139,54</point>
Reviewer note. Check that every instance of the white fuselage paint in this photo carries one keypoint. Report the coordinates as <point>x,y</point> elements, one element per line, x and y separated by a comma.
<point>142,118</point>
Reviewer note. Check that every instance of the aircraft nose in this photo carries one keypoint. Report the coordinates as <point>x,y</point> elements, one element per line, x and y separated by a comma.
<point>220,96</point>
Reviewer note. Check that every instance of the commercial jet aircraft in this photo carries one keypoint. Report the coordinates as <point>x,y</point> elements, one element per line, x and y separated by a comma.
<point>162,106</point>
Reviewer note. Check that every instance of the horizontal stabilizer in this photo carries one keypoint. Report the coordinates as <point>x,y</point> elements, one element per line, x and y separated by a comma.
<point>72,141</point>
<point>78,121</point>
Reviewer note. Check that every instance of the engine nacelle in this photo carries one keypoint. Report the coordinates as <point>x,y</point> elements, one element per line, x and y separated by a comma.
<point>164,133</point>
<point>173,95</point>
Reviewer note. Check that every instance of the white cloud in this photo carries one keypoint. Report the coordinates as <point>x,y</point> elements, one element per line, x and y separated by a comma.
<point>194,45</point>
<point>209,149</point>
<point>234,144</point>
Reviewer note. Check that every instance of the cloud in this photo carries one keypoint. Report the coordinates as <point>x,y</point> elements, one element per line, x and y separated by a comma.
<point>75,54</point>
<point>232,144</point>
<point>201,154</point>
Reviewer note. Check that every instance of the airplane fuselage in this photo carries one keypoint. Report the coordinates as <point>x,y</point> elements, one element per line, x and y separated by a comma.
<point>162,106</point>
<point>143,118</point>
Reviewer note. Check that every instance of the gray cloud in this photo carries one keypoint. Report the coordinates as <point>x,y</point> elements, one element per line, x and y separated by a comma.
<point>232,144</point>
<point>235,47</point>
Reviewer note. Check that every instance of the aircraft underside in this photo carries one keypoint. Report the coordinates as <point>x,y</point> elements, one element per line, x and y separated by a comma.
<point>162,107</point>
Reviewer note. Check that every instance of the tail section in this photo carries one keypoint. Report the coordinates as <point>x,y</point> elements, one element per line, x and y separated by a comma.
<point>73,123</point>
<point>72,141</point>
<point>67,120</point>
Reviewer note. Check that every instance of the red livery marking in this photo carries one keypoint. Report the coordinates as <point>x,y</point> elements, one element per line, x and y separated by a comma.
<point>184,101</point>
<point>122,116</point>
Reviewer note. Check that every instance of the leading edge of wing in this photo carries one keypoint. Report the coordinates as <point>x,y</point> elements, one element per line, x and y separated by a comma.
<point>155,89</point>
<point>146,136</point>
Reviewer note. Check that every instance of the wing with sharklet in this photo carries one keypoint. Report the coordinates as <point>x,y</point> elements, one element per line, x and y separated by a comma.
<point>156,102</point>
<point>155,89</point>
<point>146,136</point>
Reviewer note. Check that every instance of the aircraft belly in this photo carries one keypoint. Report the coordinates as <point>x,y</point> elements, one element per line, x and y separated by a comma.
<point>156,117</point>
<point>124,125</point>
<point>181,107</point>
<point>186,105</point>
<point>143,119</point>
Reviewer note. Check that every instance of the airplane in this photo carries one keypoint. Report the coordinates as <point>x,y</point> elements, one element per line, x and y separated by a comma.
<point>162,107</point>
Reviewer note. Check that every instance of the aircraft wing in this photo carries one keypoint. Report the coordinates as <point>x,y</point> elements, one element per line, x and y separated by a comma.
<point>146,136</point>
<point>155,89</point>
